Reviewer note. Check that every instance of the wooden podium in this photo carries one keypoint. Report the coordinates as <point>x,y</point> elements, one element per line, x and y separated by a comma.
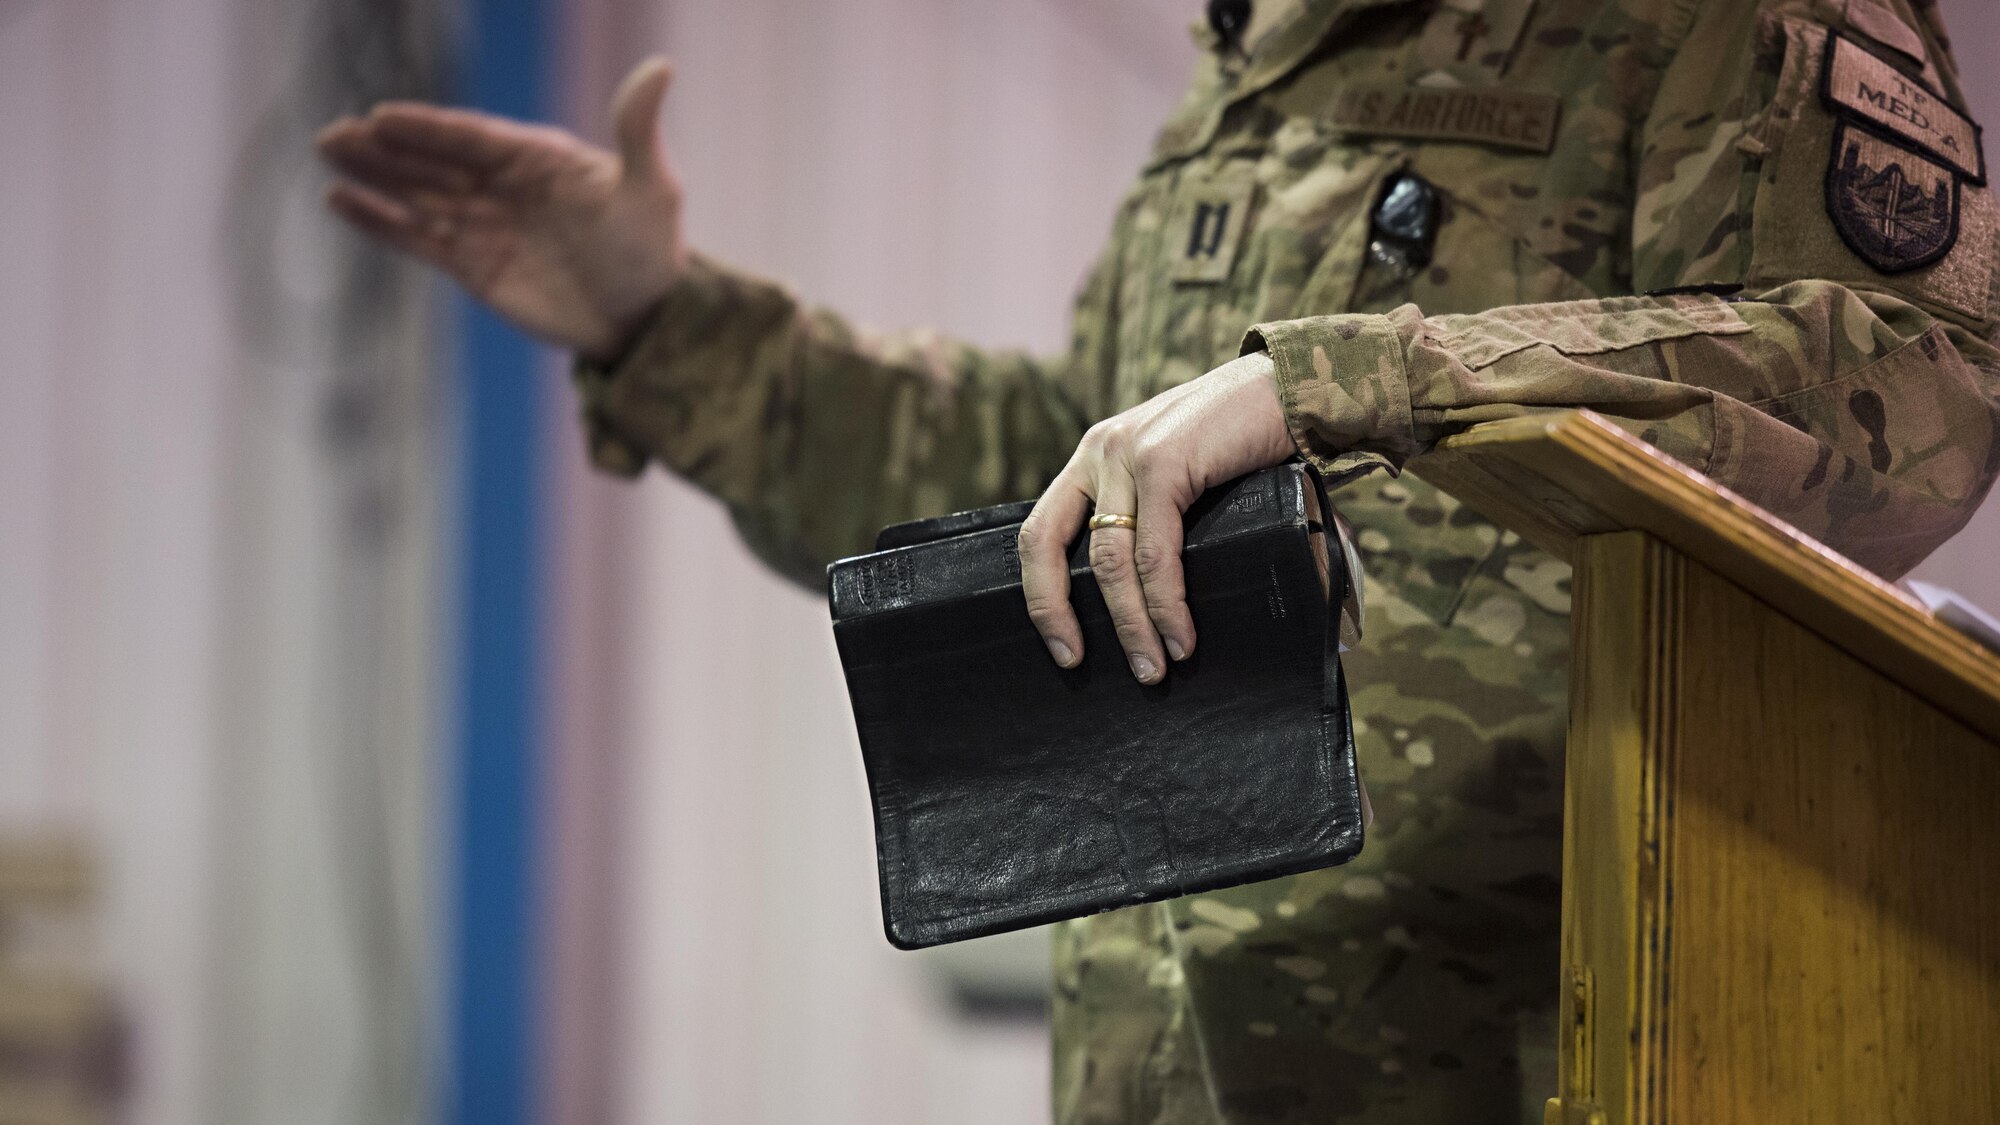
<point>1781,843</point>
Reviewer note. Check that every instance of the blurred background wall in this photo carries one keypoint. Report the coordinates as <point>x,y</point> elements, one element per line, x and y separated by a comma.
<point>231,552</point>
<point>222,429</point>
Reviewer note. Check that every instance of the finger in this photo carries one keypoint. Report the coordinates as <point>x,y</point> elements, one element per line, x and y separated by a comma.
<point>635,114</point>
<point>355,151</point>
<point>475,141</point>
<point>1112,561</point>
<point>354,148</point>
<point>1043,547</point>
<point>386,220</point>
<point>1156,558</point>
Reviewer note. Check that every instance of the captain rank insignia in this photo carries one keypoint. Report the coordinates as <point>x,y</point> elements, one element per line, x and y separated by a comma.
<point>1207,223</point>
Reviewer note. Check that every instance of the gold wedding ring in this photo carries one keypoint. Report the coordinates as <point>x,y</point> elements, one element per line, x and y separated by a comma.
<point>1129,523</point>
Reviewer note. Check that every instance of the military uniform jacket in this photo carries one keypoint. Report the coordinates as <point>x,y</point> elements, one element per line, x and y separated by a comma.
<point>1756,235</point>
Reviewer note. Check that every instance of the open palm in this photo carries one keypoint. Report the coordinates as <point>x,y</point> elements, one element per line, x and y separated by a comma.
<point>569,241</point>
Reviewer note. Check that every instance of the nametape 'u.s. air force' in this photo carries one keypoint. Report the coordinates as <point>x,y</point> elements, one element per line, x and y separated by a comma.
<point>1514,119</point>
<point>1899,157</point>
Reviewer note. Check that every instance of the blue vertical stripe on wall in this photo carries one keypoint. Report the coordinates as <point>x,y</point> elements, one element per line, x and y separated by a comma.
<point>492,1008</point>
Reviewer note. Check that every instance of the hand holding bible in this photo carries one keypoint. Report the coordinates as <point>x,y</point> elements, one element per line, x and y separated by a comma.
<point>1149,464</point>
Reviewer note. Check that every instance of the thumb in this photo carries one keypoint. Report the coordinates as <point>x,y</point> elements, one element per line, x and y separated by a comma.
<point>635,115</point>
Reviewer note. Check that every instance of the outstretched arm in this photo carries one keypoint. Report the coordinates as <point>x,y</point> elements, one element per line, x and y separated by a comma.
<point>814,432</point>
<point>572,243</point>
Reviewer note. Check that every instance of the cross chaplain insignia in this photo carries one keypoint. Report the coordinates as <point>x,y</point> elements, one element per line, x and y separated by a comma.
<point>1901,154</point>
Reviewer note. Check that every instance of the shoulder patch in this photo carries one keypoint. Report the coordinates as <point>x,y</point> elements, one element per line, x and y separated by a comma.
<point>1508,118</point>
<point>1897,209</point>
<point>1860,86</point>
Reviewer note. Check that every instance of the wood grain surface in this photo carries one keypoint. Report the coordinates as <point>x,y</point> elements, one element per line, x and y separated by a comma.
<point>1782,880</point>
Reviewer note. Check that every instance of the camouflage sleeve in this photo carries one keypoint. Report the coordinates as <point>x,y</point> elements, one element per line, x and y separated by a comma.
<point>816,433</point>
<point>1846,391</point>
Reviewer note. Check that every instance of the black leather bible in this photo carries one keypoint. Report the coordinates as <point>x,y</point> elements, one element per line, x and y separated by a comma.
<point>1009,792</point>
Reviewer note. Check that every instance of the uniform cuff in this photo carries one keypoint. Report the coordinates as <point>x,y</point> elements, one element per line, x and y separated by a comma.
<point>1344,389</point>
<point>614,411</point>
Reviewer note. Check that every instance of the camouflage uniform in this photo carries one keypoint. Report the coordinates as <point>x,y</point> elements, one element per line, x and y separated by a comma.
<point>1584,152</point>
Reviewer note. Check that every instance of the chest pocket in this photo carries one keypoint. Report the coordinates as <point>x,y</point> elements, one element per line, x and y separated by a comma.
<point>1476,263</point>
<point>1261,230</point>
<point>1419,544</point>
